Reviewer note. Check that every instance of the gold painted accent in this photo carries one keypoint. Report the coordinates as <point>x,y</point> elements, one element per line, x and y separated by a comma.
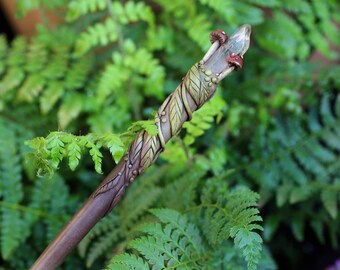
<point>207,79</point>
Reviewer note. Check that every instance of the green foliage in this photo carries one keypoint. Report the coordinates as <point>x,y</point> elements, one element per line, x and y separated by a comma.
<point>203,118</point>
<point>50,151</point>
<point>297,162</point>
<point>41,207</point>
<point>109,64</point>
<point>11,192</point>
<point>188,241</point>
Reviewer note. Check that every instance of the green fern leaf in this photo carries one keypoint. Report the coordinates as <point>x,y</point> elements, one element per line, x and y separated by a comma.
<point>11,191</point>
<point>330,201</point>
<point>74,154</point>
<point>101,246</point>
<point>301,193</point>
<point>202,119</point>
<point>12,79</point>
<point>96,156</point>
<point>154,251</point>
<point>77,8</point>
<point>16,56</point>
<point>127,262</point>
<point>31,88</point>
<point>57,64</point>
<point>112,79</point>
<point>148,125</point>
<point>235,213</point>
<point>36,58</point>
<point>57,206</point>
<point>251,245</point>
<point>108,229</point>
<point>162,249</point>
<point>189,231</point>
<point>70,109</point>
<point>53,92</point>
<point>98,34</point>
<point>116,146</point>
<point>56,147</point>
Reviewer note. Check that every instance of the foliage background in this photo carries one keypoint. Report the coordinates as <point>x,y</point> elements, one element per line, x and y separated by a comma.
<point>111,63</point>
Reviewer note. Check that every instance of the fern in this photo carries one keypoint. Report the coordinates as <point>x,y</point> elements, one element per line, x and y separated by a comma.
<point>202,119</point>
<point>180,244</point>
<point>50,151</point>
<point>41,78</point>
<point>235,218</point>
<point>102,67</point>
<point>176,245</point>
<point>103,33</point>
<point>17,219</point>
<point>301,162</point>
<point>12,192</point>
<point>79,8</point>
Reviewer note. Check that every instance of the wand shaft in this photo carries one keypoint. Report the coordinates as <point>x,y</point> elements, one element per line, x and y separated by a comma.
<point>197,87</point>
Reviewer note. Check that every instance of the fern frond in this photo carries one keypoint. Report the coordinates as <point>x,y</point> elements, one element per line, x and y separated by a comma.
<point>107,229</point>
<point>235,216</point>
<point>98,34</point>
<point>141,62</point>
<point>77,8</point>
<point>31,88</point>
<point>330,200</point>
<point>58,64</point>
<point>203,118</point>
<point>11,190</point>
<point>127,262</point>
<point>135,204</point>
<point>102,245</point>
<point>57,206</point>
<point>147,125</point>
<point>109,84</point>
<point>300,163</point>
<point>50,151</point>
<point>77,73</point>
<point>182,193</point>
<point>109,31</point>
<point>176,245</point>
<point>176,242</point>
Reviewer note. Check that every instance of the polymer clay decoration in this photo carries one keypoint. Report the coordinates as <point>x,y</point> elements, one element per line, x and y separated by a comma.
<point>198,86</point>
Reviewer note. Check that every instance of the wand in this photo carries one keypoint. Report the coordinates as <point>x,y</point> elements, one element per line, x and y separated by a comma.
<point>197,87</point>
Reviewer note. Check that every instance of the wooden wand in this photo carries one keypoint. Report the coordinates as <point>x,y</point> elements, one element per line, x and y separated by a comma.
<point>197,87</point>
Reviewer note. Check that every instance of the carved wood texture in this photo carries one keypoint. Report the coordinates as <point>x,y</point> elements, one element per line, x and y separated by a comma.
<point>197,87</point>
